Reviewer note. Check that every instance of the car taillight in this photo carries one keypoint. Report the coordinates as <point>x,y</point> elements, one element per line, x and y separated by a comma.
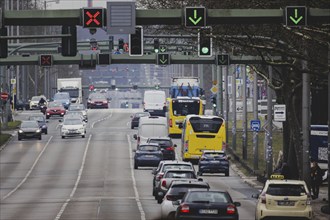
<point>159,176</point>
<point>105,102</point>
<point>170,123</point>
<point>164,183</point>
<point>169,148</point>
<point>184,208</point>
<point>231,209</point>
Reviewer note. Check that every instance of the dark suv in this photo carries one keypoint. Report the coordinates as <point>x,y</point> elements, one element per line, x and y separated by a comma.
<point>167,146</point>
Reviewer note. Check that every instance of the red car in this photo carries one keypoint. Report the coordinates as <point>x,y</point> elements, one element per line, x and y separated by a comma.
<point>55,109</point>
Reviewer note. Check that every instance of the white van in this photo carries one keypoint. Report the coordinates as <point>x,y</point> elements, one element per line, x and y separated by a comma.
<point>151,126</point>
<point>154,102</point>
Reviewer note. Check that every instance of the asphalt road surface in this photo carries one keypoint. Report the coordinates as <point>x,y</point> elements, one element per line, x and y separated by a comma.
<point>89,178</point>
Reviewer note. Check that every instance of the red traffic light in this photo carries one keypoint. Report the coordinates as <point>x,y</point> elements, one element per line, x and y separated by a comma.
<point>46,60</point>
<point>91,87</point>
<point>93,17</point>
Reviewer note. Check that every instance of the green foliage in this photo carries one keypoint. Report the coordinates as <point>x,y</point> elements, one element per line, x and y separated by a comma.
<point>4,138</point>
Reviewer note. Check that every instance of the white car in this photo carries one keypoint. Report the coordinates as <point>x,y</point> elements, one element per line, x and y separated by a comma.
<point>73,126</point>
<point>34,102</point>
<point>176,191</point>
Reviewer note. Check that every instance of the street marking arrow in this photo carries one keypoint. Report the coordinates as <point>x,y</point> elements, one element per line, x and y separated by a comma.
<point>193,20</point>
<point>296,20</point>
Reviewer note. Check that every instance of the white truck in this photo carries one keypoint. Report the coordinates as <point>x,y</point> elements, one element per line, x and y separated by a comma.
<point>73,86</point>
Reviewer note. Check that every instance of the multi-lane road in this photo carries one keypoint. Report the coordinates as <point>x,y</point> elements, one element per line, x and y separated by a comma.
<point>89,178</point>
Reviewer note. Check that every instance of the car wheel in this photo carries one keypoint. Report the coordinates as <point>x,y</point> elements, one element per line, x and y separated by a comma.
<point>83,136</point>
<point>171,216</point>
<point>227,173</point>
<point>46,132</point>
<point>47,117</point>
<point>19,138</point>
<point>63,137</point>
<point>39,137</point>
<point>159,200</point>
<point>153,192</point>
<point>135,166</point>
<point>132,127</point>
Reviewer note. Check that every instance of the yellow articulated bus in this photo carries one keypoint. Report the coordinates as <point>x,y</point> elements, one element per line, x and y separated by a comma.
<point>177,110</point>
<point>201,132</point>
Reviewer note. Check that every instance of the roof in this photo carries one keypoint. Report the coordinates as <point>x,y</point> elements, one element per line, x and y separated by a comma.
<point>175,162</point>
<point>160,138</point>
<point>188,181</point>
<point>286,181</point>
<point>203,116</point>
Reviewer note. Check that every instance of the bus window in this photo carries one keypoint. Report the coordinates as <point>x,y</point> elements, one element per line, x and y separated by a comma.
<point>206,125</point>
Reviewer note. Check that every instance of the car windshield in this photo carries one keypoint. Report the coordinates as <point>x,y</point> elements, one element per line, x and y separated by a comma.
<point>76,107</point>
<point>35,98</point>
<point>176,166</point>
<point>207,197</point>
<point>166,143</point>
<point>214,154</point>
<point>180,190</point>
<point>37,118</point>
<point>72,122</point>
<point>74,113</point>
<point>54,104</point>
<point>148,148</point>
<point>175,174</point>
<point>29,124</point>
<point>286,190</point>
<point>59,96</point>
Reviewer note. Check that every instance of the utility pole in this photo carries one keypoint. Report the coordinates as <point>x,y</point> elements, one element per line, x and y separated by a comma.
<point>244,135</point>
<point>255,116</point>
<point>269,129</point>
<point>220,91</point>
<point>233,93</point>
<point>226,102</point>
<point>306,124</point>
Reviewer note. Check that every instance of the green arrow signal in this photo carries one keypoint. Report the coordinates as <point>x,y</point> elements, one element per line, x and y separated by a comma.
<point>193,20</point>
<point>222,60</point>
<point>162,49</point>
<point>295,19</point>
<point>163,60</point>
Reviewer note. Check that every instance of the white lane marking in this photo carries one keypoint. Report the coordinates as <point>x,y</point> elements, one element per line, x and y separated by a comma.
<point>65,204</point>
<point>137,198</point>
<point>102,119</point>
<point>30,171</point>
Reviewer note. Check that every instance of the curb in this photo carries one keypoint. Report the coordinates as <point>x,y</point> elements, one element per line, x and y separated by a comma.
<point>5,144</point>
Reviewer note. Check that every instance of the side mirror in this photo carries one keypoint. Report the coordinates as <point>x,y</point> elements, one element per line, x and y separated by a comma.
<point>228,158</point>
<point>153,171</point>
<point>134,150</point>
<point>180,126</point>
<point>237,204</point>
<point>131,116</point>
<point>60,120</point>
<point>175,145</point>
<point>135,136</point>
<point>200,179</point>
<point>255,196</point>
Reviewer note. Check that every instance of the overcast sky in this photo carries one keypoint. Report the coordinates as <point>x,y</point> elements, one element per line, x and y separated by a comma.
<point>74,4</point>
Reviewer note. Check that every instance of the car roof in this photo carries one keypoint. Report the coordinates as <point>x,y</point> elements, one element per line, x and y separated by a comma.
<point>207,190</point>
<point>148,144</point>
<point>175,162</point>
<point>160,138</point>
<point>189,182</point>
<point>179,170</point>
<point>286,181</point>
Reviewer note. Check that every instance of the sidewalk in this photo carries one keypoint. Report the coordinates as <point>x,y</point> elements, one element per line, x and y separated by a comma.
<point>316,204</point>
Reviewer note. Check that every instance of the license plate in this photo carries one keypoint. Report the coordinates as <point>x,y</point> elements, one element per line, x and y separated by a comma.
<point>208,211</point>
<point>149,155</point>
<point>285,203</point>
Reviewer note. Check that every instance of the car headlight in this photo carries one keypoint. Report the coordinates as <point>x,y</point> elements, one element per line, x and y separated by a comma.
<point>44,126</point>
<point>38,130</point>
<point>64,129</point>
<point>67,103</point>
<point>20,131</point>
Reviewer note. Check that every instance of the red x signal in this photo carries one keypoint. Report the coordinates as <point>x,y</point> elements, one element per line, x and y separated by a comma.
<point>93,17</point>
<point>46,60</point>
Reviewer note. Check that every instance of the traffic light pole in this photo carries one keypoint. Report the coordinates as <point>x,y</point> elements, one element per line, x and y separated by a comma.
<point>244,134</point>
<point>234,108</point>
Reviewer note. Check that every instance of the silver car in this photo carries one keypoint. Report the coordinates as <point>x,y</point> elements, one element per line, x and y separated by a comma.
<point>176,191</point>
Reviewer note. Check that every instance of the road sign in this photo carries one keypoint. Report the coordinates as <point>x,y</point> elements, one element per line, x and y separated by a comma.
<point>46,60</point>
<point>195,17</point>
<point>93,17</point>
<point>13,81</point>
<point>223,59</point>
<point>214,89</point>
<point>121,17</point>
<point>162,48</point>
<point>296,16</point>
<point>163,59</point>
<point>4,96</point>
<point>255,125</point>
<point>279,113</point>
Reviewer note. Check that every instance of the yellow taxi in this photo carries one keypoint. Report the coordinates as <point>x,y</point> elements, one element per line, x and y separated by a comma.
<point>283,198</point>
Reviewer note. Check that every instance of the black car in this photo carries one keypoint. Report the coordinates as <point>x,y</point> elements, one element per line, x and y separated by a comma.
<point>21,105</point>
<point>207,204</point>
<point>147,155</point>
<point>167,146</point>
<point>136,118</point>
<point>29,129</point>
<point>213,162</point>
<point>41,121</point>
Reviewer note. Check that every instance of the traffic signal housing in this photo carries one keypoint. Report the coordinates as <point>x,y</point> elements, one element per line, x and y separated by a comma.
<point>93,17</point>
<point>69,44</point>
<point>46,60</point>
<point>156,45</point>
<point>214,101</point>
<point>204,42</point>
<point>136,42</point>
<point>121,43</point>
<point>3,42</point>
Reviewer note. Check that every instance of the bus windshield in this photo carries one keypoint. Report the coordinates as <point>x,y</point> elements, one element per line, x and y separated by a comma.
<point>211,125</point>
<point>185,107</point>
